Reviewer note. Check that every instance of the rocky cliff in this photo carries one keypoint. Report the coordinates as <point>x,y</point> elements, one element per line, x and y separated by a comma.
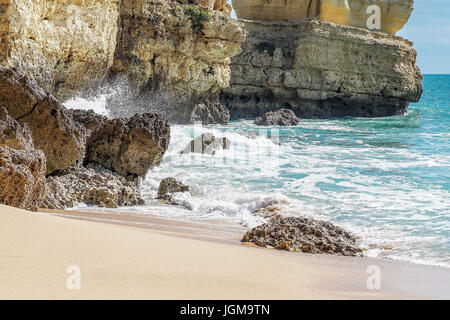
<point>321,69</point>
<point>177,47</point>
<point>66,46</point>
<point>355,13</point>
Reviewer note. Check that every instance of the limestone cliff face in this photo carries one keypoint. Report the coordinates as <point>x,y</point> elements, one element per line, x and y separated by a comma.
<point>65,45</point>
<point>394,13</point>
<point>68,46</point>
<point>321,70</point>
<point>183,49</point>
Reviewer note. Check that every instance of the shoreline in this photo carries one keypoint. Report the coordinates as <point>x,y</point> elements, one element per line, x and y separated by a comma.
<point>126,262</point>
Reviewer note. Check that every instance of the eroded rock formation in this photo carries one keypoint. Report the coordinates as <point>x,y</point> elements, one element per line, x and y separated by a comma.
<point>22,178</point>
<point>130,146</point>
<point>179,48</point>
<point>320,70</point>
<point>53,129</point>
<point>12,134</point>
<point>394,13</point>
<point>66,46</point>
<point>176,47</point>
<point>89,186</point>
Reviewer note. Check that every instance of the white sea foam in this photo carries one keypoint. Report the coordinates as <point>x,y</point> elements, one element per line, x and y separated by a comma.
<point>350,173</point>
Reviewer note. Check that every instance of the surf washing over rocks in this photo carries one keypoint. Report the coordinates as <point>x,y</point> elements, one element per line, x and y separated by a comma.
<point>380,179</point>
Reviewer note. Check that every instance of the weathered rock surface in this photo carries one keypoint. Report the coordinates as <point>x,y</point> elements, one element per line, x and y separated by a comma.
<point>12,134</point>
<point>168,187</point>
<point>129,146</point>
<point>53,129</point>
<point>71,46</point>
<point>180,48</point>
<point>208,112</point>
<point>86,185</point>
<point>171,185</point>
<point>322,70</point>
<point>207,143</point>
<point>394,13</point>
<point>88,118</point>
<point>66,46</point>
<point>303,235</point>
<point>281,117</point>
<point>22,178</point>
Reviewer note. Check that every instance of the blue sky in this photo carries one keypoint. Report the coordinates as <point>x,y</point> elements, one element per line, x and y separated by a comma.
<point>429,29</point>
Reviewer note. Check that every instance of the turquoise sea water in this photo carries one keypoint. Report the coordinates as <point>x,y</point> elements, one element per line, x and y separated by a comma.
<point>387,180</point>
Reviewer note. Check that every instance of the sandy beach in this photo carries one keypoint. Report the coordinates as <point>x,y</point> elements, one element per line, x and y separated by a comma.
<point>117,261</point>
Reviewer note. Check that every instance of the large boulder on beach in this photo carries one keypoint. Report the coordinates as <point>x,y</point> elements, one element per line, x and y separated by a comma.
<point>206,143</point>
<point>130,146</point>
<point>92,187</point>
<point>281,117</point>
<point>12,134</point>
<point>53,129</point>
<point>22,178</point>
<point>306,235</point>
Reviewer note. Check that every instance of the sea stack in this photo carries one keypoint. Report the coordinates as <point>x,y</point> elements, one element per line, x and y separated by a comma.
<point>320,59</point>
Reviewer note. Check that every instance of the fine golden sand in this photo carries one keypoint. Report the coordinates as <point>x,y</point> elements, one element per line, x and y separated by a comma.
<point>127,262</point>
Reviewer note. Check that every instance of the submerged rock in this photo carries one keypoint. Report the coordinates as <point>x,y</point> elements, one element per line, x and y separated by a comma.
<point>53,129</point>
<point>22,178</point>
<point>281,117</point>
<point>89,186</point>
<point>129,146</point>
<point>303,235</point>
<point>207,143</point>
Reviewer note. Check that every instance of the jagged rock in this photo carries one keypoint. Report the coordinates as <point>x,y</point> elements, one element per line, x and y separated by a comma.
<point>53,129</point>
<point>12,134</point>
<point>171,185</point>
<point>303,235</point>
<point>168,188</point>
<point>209,113</point>
<point>179,48</point>
<point>282,117</point>
<point>66,46</point>
<point>88,118</point>
<point>394,13</point>
<point>129,146</point>
<point>22,178</point>
<point>86,185</point>
<point>321,70</point>
<point>207,143</point>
